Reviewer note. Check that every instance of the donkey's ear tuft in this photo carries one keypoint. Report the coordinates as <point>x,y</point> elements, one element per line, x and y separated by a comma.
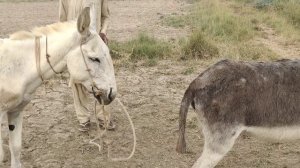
<point>83,22</point>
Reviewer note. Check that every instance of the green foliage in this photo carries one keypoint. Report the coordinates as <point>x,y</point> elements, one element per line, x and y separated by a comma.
<point>198,46</point>
<point>175,21</point>
<point>290,9</point>
<point>219,22</point>
<point>188,71</point>
<point>151,62</point>
<point>261,4</point>
<point>142,48</point>
<point>228,29</point>
<point>250,51</point>
<point>148,47</point>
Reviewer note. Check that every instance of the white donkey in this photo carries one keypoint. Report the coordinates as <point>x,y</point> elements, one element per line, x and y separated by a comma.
<point>231,97</point>
<point>23,66</point>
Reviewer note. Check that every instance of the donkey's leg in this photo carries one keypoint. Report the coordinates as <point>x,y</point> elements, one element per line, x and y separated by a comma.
<point>15,120</point>
<point>1,141</point>
<point>218,141</point>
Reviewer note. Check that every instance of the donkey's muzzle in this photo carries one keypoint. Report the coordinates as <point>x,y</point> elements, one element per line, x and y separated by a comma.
<point>105,98</point>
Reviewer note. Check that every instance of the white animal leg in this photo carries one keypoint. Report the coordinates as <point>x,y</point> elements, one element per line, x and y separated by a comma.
<point>217,144</point>
<point>15,120</point>
<point>1,141</point>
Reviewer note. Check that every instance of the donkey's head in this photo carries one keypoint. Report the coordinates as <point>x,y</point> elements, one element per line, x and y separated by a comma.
<point>90,63</point>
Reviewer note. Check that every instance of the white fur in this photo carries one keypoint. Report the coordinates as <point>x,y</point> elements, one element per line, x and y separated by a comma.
<point>277,134</point>
<point>19,76</point>
<point>219,139</point>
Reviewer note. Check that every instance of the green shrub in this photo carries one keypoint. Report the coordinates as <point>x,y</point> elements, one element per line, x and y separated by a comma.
<point>188,71</point>
<point>249,51</point>
<point>149,47</point>
<point>219,22</point>
<point>175,21</point>
<point>142,47</point>
<point>150,62</point>
<point>198,46</point>
<point>289,9</point>
<point>262,4</point>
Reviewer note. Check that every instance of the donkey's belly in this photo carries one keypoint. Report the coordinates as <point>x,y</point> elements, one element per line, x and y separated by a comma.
<point>276,133</point>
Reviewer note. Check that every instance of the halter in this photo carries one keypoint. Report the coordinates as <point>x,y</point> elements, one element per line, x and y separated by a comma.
<point>38,57</point>
<point>38,62</point>
<point>88,69</point>
<point>100,135</point>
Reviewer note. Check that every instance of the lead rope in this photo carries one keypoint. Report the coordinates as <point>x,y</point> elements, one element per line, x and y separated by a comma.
<point>133,134</point>
<point>106,115</point>
<point>102,133</point>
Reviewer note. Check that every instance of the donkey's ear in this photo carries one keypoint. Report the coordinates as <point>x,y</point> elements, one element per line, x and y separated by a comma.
<point>83,22</point>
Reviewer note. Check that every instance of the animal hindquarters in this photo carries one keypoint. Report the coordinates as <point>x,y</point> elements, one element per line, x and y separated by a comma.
<point>219,138</point>
<point>185,103</point>
<point>261,98</point>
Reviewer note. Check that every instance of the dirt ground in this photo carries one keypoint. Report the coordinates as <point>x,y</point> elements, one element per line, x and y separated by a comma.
<point>151,94</point>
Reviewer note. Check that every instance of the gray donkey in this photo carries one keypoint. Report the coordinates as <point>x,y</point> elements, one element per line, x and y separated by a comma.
<point>262,98</point>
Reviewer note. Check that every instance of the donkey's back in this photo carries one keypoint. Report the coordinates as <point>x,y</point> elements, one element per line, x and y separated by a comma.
<point>231,97</point>
<point>252,94</point>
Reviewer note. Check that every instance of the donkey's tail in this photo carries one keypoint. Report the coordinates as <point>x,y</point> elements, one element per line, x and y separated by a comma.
<point>185,103</point>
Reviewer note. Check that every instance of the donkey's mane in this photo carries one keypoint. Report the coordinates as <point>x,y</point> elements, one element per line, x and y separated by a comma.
<point>41,31</point>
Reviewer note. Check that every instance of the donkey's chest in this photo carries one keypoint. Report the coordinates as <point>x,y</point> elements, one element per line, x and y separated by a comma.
<point>276,133</point>
<point>8,99</point>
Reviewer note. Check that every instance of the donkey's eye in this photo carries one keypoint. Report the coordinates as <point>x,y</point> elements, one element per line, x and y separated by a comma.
<point>95,60</point>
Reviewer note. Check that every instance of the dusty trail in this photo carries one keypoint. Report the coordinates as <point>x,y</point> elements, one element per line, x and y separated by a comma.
<point>279,44</point>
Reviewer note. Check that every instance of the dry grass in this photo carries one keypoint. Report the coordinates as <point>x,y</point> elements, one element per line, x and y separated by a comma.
<point>198,46</point>
<point>143,47</point>
<point>229,28</point>
<point>256,52</point>
<point>281,15</point>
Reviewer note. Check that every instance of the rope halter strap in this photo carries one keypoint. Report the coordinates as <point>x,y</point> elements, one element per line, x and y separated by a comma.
<point>38,57</point>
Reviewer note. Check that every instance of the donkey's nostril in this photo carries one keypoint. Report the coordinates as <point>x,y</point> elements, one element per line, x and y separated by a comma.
<point>110,96</point>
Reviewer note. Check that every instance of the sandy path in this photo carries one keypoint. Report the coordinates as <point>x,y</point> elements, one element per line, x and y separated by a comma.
<point>279,44</point>
<point>128,18</point>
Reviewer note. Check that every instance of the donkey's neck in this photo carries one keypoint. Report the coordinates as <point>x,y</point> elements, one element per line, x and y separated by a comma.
<point>58,46</point>
<point>18,58</point>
